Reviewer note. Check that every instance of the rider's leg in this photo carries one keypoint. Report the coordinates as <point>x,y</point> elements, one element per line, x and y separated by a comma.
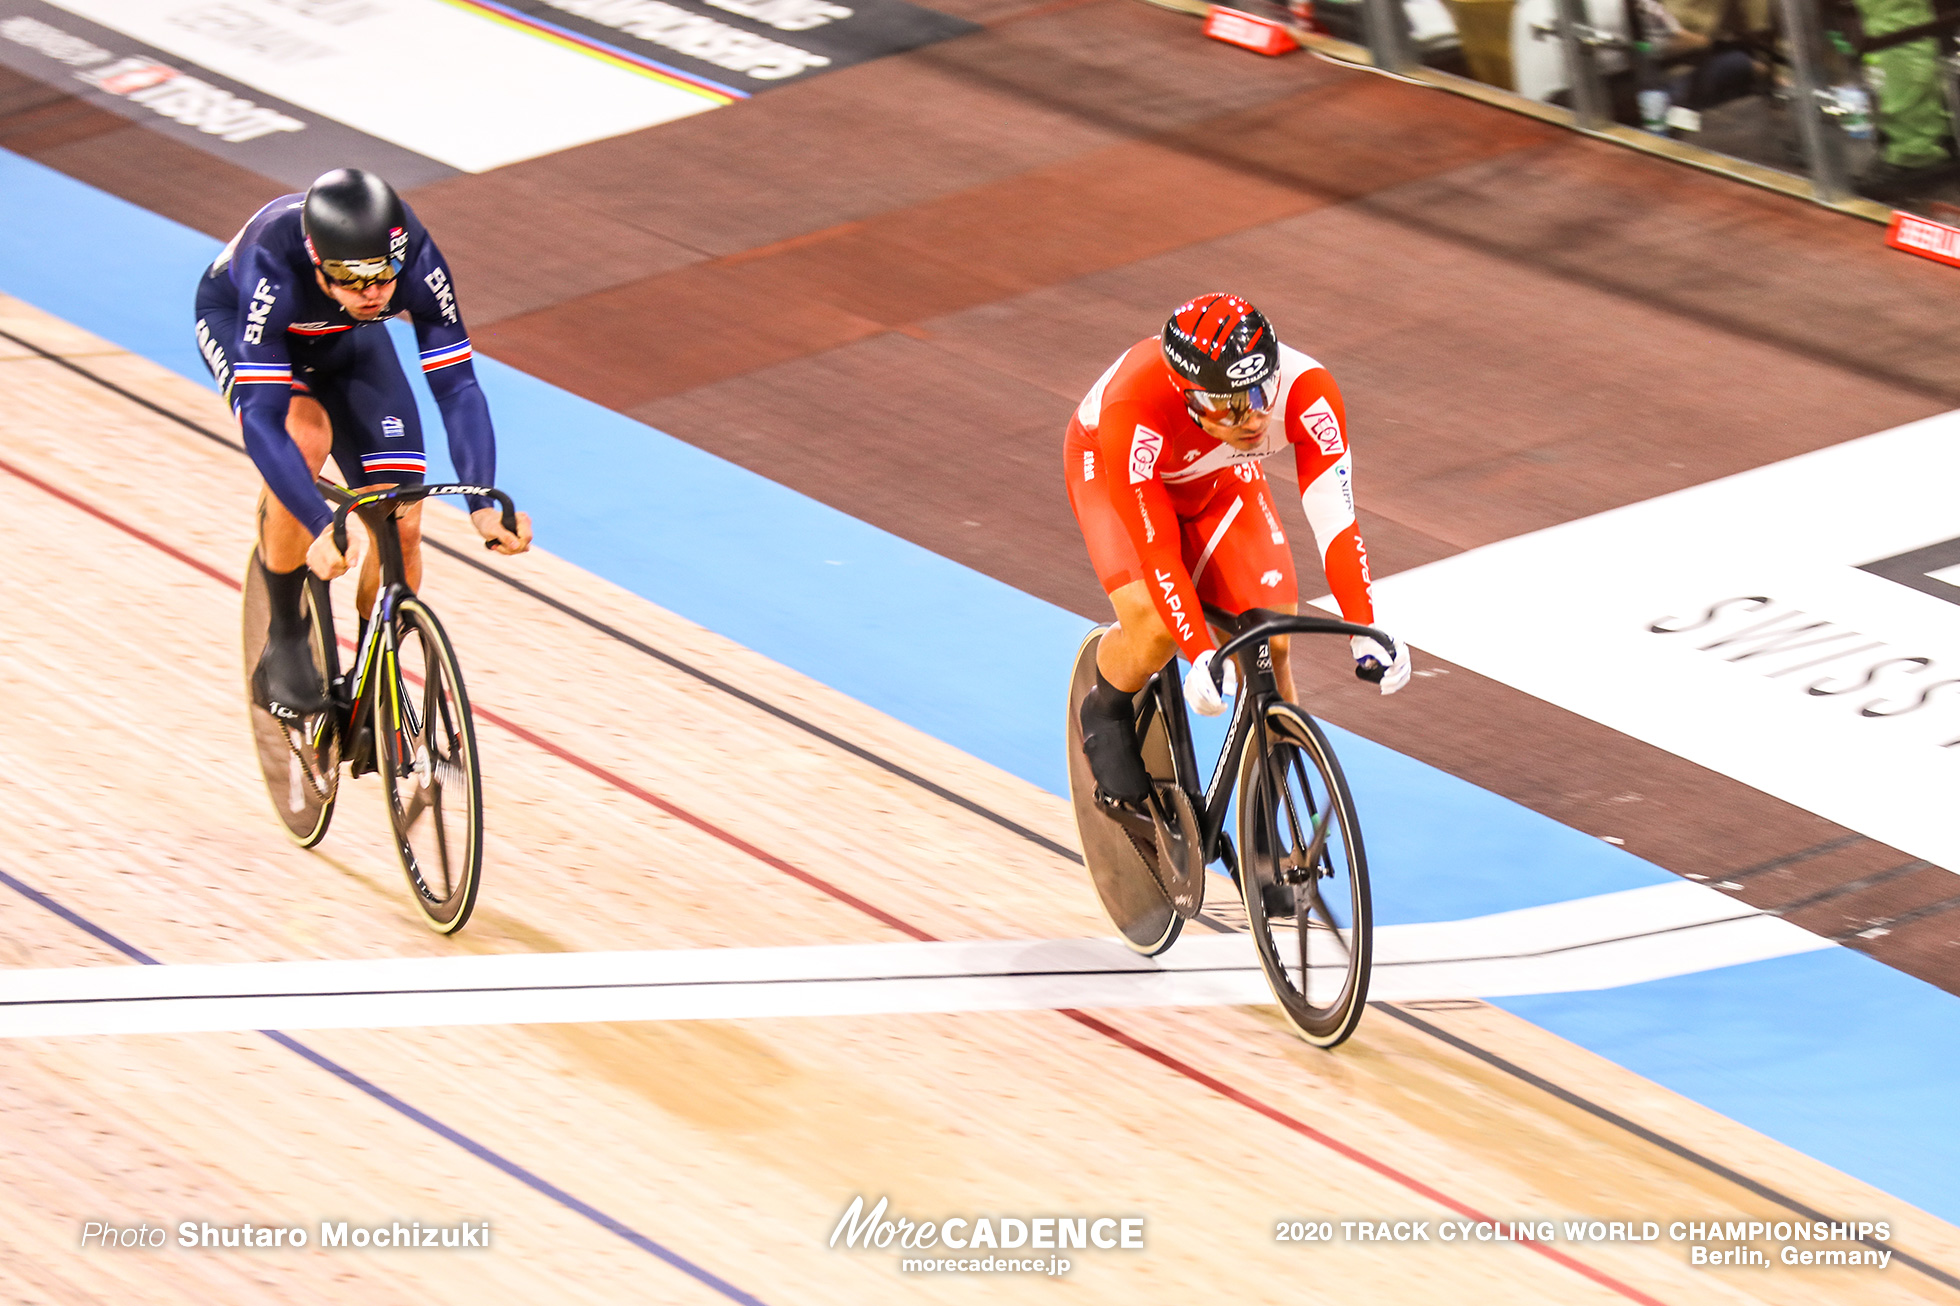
<point>286,676</point>
<point>1250,563</point>
<point>1283,656</point>
<point>1138,644</point>
<point>408,523</point>
<point>378,441</point>
<point>282,540</point>
<point>1130,651</point>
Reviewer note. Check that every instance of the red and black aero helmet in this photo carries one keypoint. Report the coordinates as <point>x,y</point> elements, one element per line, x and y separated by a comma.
<point>1222,349</point>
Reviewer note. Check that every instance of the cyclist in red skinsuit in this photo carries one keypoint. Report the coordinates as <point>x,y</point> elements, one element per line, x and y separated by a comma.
<point>1163,464</point>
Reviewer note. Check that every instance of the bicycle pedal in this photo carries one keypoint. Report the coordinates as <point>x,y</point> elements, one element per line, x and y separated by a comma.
<point>1121,807</point>
<point>1279,901</point>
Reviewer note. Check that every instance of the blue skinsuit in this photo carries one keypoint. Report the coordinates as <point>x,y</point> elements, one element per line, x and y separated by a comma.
<point>266,330</point>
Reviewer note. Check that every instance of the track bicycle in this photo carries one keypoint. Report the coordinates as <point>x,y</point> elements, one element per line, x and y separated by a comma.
<point>403,712</point>
<point>1298,864</point>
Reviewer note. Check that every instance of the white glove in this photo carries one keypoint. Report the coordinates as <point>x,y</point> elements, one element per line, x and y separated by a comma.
<point>1200,691</point>
<point>1371,662</point>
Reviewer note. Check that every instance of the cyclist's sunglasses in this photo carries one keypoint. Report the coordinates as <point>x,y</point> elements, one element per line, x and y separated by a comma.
<point>1233,409</point>
<point>359,274</point>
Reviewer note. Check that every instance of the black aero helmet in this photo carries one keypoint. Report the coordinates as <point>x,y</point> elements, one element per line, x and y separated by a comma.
<point>1224,355</point>
<point>355,229</point>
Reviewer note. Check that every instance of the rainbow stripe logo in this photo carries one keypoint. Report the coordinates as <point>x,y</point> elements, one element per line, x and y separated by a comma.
<point>600,50</point>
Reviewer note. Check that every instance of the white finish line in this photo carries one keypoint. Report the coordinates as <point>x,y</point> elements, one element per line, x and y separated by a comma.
<point>1600,942</point>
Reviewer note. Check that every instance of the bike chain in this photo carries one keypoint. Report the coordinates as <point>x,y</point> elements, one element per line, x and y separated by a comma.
<point>306,768</point>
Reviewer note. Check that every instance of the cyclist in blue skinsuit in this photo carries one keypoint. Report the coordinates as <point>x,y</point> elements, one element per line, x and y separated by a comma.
<point>289,321</point>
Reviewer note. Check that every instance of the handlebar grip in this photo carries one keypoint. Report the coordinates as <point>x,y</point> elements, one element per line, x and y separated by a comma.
<point>509,515</point>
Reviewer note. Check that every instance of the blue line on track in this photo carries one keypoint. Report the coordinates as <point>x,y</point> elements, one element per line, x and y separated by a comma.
<point>979,664</point>
<point>420,1117</point>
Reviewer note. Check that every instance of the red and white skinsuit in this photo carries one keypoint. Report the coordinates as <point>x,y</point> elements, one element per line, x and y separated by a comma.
<point>1159,500</point>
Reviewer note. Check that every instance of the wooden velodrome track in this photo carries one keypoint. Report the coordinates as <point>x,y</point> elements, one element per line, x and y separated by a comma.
<point>632,806</point>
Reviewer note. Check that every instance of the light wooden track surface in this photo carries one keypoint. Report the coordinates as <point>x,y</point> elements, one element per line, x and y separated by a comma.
<point>129,794</point>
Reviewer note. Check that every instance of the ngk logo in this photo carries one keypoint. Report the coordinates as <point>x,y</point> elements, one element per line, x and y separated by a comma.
<point>1145,446</point>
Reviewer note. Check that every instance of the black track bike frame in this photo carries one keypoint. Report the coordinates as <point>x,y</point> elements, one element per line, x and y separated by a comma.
<point>378,508</point>
<point>1164,697</point>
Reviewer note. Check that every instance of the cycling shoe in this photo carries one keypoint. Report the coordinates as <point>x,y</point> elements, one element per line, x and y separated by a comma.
<point>1109,741</point>
<point>286,683</point>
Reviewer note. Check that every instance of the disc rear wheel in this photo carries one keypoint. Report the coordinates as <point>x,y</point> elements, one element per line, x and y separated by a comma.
<point>1304,876</point>
<point>429,768</point>
<point>300,760</point>
<point>1121,860</point>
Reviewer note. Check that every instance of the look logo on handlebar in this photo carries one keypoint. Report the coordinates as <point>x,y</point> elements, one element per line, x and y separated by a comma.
<point>1185,538</point>
<point>402,712</point>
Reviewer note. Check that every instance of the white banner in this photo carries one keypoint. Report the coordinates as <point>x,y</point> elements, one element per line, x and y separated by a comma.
<point>449,82</point>
<point>1796,627</point>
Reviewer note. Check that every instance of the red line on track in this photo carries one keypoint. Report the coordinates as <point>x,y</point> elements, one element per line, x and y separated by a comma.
<point>1111,1032</point>
<point>122,526</point>
<point>734,841</point>
<point>1333,1144</point>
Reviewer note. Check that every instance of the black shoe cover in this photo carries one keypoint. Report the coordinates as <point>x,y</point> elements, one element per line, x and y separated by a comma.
<point>286,683</point>
<point>1109,741</point>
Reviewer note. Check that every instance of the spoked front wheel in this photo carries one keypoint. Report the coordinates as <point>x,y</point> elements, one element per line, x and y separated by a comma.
<point>1304,876</point>
<point>429,768</point>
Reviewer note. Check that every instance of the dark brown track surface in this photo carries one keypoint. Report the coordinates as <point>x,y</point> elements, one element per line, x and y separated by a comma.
<point>887,287</point>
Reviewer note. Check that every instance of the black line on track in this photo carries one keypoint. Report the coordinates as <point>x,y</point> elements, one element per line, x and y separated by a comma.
<point>1095,972</point>
<point>1887,924</point>
<point>130,395</point>
<point>1863,882</point>
<point>1661,1141</point>
<point>1791,859</point>
<point>532,1181</point>
<point>627,985</point>
<point>613,632</point>
<point>760,704</point>
<point>893,768</point>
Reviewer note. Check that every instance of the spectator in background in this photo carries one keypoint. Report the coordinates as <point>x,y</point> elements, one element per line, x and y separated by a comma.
<point>1913,121</point>
<point>1707,52</point>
